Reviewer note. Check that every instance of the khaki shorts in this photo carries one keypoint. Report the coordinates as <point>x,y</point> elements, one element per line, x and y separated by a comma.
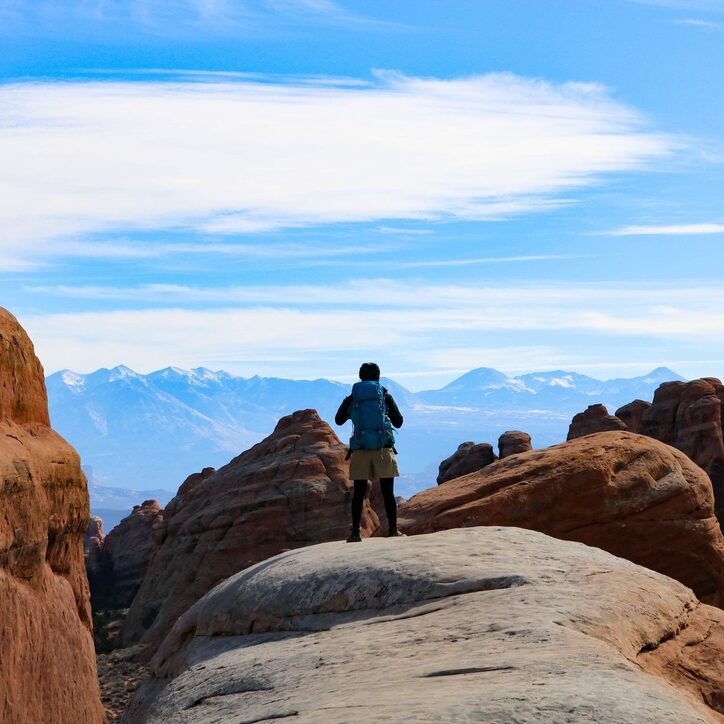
<point>373,464</point>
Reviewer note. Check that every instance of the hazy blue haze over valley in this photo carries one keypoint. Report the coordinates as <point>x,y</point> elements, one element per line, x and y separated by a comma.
<point>148,432</point>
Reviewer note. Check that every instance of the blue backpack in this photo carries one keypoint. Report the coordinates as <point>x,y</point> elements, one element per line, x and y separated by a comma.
<point>372,428</point>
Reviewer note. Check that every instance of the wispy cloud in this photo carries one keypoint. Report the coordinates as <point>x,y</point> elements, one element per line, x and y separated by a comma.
<point>410,325</point>
<point>703,5</point>
<point>698,23</point>
<point>134,249</point>
<point>671,230</point>
<point>247,156</point>
<point>107,19</point>
<point>432,263</point>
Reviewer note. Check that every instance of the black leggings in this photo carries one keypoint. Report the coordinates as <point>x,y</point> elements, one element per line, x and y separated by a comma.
<point>360,490</point>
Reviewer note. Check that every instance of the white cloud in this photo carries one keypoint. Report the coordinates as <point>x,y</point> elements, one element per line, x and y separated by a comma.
<point>698,23</point>
<point>411,324</point>
<point>672,229</point>
<point>171,18</point>
<point>228,157</point>
<point>486,260</point>
<point>704,5</point>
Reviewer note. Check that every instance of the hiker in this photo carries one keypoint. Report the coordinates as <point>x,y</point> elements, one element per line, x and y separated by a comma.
<point>372,447</point>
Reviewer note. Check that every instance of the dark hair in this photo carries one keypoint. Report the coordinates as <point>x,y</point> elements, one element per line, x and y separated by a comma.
<point>369,371</point>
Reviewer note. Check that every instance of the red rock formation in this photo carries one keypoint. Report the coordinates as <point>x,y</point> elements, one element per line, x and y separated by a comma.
<point>289,490</point>
<point>692,659</point>
<point>594,419</point>
<point>688,415</point>
<point>96,562</point>
<point>632,414</point>
<point>466,459</point>
<point>513,442</point>
<point>127,549</point>
<point>47,663</point>
<point>93,539</point>
<point>659,421</point>
<point>632,496</point>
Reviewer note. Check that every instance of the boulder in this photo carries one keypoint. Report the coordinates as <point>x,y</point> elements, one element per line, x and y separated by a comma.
<point>482,624</point>
<point>126,551</point>
<point>513,442</point>
<point>594,419</point>
<point>289,490</point>
<point>628,494</point>
<point>632,414</point>
<point>47,662</point>
<point>688,415</point>
<point>466,459</point>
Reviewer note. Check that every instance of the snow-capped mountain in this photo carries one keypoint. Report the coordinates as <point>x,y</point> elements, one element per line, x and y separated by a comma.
<point>150,431</point>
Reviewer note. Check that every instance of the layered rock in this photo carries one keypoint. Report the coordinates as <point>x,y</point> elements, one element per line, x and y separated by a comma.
<point>93,543</point>
<point>688,415</point>
<point>659,421</point>
<point>47,663</point>
<point>125,554</point>
<point>628,494</point>
<point>632,414</point>
<point>595,418</point>
<point>483,624</point>
<point>466,459</point>
<point>513,442</point>
<point>289,490</point>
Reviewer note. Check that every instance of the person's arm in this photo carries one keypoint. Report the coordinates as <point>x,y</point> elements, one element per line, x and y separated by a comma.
<point>343,413</point>
<point>393,412</point>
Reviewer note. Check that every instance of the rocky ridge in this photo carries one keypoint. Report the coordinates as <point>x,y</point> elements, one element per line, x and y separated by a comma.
<point>124,557</point>
<point>288,491</point>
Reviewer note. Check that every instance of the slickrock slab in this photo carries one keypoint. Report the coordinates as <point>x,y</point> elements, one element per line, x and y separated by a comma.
<point>466,459</point>
<point>628,494</point>
<point>481,624</point>
<point>289,490</point>
<point>47,663</point>
<point>513,442</point>
<point>594,418</point>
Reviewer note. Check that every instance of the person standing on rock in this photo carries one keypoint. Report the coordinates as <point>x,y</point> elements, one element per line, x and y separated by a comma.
<point>374,413</point>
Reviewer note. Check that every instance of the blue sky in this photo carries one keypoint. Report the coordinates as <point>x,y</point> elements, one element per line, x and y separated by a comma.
<point>289,187</point>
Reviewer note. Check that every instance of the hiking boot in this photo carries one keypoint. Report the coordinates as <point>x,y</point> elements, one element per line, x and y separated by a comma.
<point>354,537</point>
<point>396,534</point>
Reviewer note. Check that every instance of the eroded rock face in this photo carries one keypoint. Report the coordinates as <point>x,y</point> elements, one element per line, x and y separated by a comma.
<point>632,414</point>
<point>289,490</point>
<point>467,458</point>
<point>594,419</point>
<point>513,442</point>
<point>125,553</point>
<point>93,541</point>
<point>688,415</point>
<point>628,494</point>
<point>481,624</point>
<point>47,663</point>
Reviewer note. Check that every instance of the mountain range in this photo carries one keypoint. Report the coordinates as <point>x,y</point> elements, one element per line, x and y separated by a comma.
<point>148,432</point>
